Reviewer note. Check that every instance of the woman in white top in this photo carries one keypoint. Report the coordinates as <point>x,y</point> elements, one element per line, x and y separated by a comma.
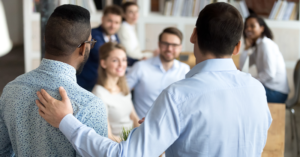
<point>265,54</point>
<point>112,89</point>
<point>127,33</point>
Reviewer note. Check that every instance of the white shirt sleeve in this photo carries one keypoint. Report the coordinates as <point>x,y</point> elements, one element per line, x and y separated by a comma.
<point>266,61</point>
<point>159,130</point>
<point>133,76</point>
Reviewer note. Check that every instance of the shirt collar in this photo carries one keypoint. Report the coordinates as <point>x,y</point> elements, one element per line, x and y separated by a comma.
<point>112,37</point>
<point>212,65</point>
<point>157,62</point>
<point>129,25</point>
<point>259,40</point>
<point>58,68</point>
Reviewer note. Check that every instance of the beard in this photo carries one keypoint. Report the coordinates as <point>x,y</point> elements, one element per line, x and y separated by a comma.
<point>164,58</point>
<point>106,32</point>
<point>86,56</point>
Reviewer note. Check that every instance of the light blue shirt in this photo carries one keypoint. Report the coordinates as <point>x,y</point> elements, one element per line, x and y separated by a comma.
<point>23,132</point>
<point>149,79</point>
<point>216,111</point>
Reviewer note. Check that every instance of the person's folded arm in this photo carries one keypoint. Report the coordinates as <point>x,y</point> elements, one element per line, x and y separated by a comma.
<point>159,130</point>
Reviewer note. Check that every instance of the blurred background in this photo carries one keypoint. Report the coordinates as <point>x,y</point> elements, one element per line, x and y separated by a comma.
<point>22,21</point>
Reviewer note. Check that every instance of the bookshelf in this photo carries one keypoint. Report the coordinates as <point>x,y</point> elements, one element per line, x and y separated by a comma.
<point>150,24</point>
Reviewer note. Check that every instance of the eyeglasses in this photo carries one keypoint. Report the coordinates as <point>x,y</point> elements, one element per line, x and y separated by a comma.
<point>166,44</point>
<point>92,42</point>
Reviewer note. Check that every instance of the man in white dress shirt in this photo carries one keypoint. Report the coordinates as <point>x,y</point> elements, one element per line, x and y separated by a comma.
<point>150,77</point>
<point>216,111</point>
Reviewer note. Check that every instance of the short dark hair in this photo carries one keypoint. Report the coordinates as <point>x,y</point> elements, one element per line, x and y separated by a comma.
<point>113,9</point>
<point>171,30</point>
<point>267,31</point>
<point>67,27</point>
<point>128,4</point>
<point>219,29</point>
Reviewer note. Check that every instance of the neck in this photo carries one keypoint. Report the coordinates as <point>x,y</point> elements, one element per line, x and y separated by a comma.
<point>111,83</point>
<point>64,59</point>
<point>166,64</point>
<point>131,23</point>
<point>200,57</point>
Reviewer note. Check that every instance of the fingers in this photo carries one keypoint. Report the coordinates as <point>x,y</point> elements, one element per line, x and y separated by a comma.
<point>41,113</point>
<point>142,120</point>
<point>63,94</point>
<point>46,96</point>
<point>40,106</point>
<point>41,98</point>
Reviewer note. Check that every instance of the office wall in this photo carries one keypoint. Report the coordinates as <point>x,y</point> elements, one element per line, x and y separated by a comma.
<point>14,16</point>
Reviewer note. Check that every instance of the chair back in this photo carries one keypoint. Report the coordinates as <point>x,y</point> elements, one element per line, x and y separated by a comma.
<point>295,99</point>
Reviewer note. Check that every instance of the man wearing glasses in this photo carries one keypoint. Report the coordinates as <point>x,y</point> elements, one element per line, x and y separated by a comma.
<point>22,131</point>
<point>150,77</point>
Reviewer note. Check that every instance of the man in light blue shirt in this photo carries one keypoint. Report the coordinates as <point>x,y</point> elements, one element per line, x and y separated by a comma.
<point>216,111</point>
<point>22,131</point>
<point>150,77</point>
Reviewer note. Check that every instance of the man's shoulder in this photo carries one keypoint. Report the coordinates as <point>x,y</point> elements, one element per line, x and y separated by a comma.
<point>204,83</point>
<point>182,65</point>
<point>143,63</point>
<point>28,78</point>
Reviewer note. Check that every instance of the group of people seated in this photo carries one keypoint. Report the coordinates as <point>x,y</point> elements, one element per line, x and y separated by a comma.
<point>92,67</point>
<point>117,48</point>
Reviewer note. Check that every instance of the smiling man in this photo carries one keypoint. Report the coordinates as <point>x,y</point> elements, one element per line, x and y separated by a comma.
<point>150,77</point>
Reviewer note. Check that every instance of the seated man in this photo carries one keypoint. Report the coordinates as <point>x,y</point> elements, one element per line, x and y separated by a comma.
<point>106,32</point>
<point>22,131</point>
<point>150,77</point>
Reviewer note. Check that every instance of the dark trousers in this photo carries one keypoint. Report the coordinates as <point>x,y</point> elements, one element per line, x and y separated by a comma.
<point>274,96</point>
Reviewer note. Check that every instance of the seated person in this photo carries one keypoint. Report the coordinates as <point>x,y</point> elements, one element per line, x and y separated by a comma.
<point>67,43</point>
<point>267,58</point>
<point>106,32</point>
<point>150,77</point>
<point>128,36</point>
<point>112,88</point>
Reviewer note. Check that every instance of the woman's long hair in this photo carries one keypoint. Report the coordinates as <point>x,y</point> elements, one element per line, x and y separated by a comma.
<point>104,52</point>
<point>267,31</point>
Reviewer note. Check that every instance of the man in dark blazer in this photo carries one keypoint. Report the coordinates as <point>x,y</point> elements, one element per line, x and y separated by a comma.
<point>106,32</point>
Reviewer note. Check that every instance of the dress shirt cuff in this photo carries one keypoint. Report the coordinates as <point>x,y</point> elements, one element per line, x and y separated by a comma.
<point>68,125</point>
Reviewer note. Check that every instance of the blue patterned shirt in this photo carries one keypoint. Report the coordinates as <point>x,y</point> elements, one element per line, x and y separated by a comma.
<point>23,132</point>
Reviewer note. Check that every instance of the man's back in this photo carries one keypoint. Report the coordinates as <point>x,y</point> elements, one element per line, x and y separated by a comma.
<point>222,112</point>
<point>24,132</point>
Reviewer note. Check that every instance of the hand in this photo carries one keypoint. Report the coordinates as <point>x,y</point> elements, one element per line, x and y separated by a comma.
<point>142,120</point>
<point>52,110</point>
<point>248,43</point>
<point>144,58</point>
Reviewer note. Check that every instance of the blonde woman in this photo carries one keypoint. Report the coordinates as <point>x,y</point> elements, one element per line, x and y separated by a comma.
<point>112,89</point>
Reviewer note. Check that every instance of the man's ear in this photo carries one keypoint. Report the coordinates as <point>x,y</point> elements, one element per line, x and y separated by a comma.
<point>82,49</point>
<point>193,37</point>
<point>237,48</point>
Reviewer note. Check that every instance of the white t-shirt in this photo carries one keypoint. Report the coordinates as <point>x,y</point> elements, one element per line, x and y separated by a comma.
<point>269,63</point>
<point>118,108</point>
